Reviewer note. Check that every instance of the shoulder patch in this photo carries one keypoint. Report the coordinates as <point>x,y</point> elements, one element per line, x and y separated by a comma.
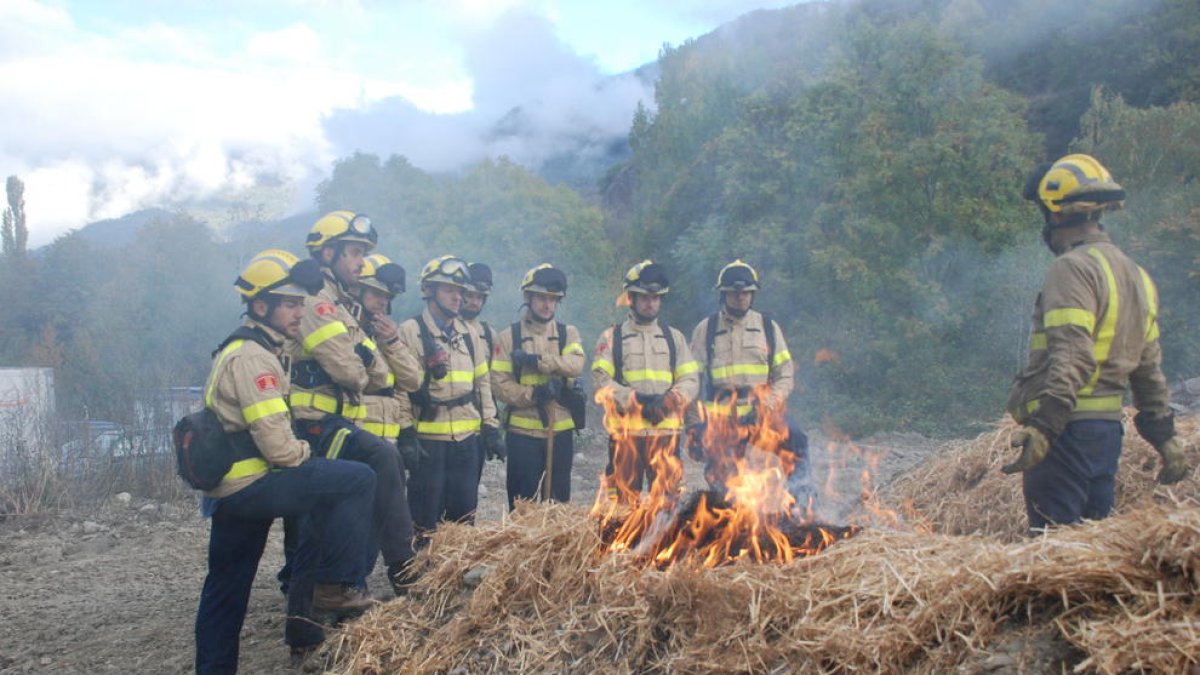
<point>325,309</point>
<point>266,382</point>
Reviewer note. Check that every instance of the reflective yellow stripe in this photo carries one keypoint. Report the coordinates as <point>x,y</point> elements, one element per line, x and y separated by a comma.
<point>502,366</point>
<point>604,365</point>
<point>534,379</point>
<point>247,467</point>
<point>1108,324</point>
<point>319,336</point>
<point>271,406</point>
<point>635,423</point>
<point>781,358</point>
<point>535,424</point>
<point>459,376</point>
<point>335,446</point>
<point>382,430</point>
<point>1037,341</point>
<point>481,369</point>
<point>391,379</point>
<point>445,428</point>
<point>687,369</point>
<point>1032,406</point>
<point>1098,403</point>
<point>741,369</point>
<point>326,404</point>
<point>1070,316</point>
<point>572,348</point>
<point>369,343</point>
<point>1152,302</point>
<point>229,349</point>
<point>723,408</point>
<point>643,375</point>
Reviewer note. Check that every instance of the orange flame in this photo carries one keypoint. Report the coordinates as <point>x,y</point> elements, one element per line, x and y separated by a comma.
<point>825,355</point>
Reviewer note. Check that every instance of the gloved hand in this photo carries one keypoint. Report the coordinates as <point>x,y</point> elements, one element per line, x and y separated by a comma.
<point>654,407</point>
<point>750,418</point>
<point>410,449</point>
<point>364,352</point>
<point>1174,465</point>
<point>695,442</point>
<point>1034,448</point>
<point>524,360</point>
<point>544,393</point>
<point>437,363</point>
<point>493,444</point>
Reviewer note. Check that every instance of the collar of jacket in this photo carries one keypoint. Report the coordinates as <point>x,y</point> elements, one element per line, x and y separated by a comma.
<point>731,320</point>
<point>335,287</point>
<point>273,335</point>
<point>456,324</point>
<point>632,324</point>
<point>1091,238</point>
<point>529,326</point>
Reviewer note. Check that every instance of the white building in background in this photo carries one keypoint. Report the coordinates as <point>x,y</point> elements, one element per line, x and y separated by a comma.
<point>26,410</point>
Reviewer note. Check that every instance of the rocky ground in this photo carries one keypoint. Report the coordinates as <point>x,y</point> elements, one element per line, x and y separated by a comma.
<point>113,588</point>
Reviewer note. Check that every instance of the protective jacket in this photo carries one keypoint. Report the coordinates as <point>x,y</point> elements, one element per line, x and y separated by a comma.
<point>556,361</point>
<point>455,407</point>
<point>385,407</point>
<point>646,368</point>
<point>1095,334</point>
<point>742,358</point>
<point>330,371</point>
<point>246,390</point>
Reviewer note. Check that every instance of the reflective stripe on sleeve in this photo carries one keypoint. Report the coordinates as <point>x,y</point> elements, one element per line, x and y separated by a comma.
<point>604,366</point>
<point>1152,303</point>
<point>572,348</point>
<point>481,369</point>
<point>369,344</point>
<point>1037,341</point>
<point>534,379</point>
<point>321,335</point>
<point>781,358</point>
<point>229,349</point>
<point>271,406</point>
<point>1070,316</point>
<point>502,366</point>
<point>687,368</point>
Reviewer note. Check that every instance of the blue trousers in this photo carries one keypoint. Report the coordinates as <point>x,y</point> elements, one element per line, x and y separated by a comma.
<point>333,499</point>
<point>527,462</point>
<point>446,485</point>
<point>1078,477</point>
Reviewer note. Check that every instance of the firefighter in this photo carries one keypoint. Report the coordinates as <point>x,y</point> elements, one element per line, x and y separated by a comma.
<point>474,298</point>
<point>277,476</point>
<point>535,373</point>
<point>648,368</point>
<point>740,350</point>
<point>453,408</point>
<point>1095,334</point>
<point>333,365</point>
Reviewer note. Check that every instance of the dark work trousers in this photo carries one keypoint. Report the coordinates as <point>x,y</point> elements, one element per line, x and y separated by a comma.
<point>527,462</point>
<point>1077,478</point>
<point>446,484</point>
<point>632,470</point>
<point>332,498</point>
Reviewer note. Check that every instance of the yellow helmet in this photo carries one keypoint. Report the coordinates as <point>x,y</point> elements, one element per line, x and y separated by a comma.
<point>447,269</point>
<point>1079,184</point>
<point>380,273</point>
<point>647,277</point>
<point>269,272</point>
<point>339,226</point>
<point>737,276</point>
<point>545,279</point>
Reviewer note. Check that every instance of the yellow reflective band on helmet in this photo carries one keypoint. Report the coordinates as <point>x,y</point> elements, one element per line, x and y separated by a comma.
<point>605,366</point>
<point>502,366</point>
<point>572,348</point>
<point>335,446</point>
<point>687,368</point>
<point>327,404</point>
<point>319,336</point>
<point>1098,403</point>
<point>481,369</point>
<point>1152,303</point>
<point>459,377</point>
<point>246,467</point>
<point>1037,341</point>
<point>273,406</point>
<point>647,374</point>
<point>387,431</point>
<point>534,378</point>
<point>714,408</point>
<point>391,378</point>
<point>534,424</point>
<point>781,358</point>
<point>229,349</point>
<point>1070,316</point>
<point>1108,323</point>
<point>741,369</point>
<point>369,344</point>
<point>447,428</point>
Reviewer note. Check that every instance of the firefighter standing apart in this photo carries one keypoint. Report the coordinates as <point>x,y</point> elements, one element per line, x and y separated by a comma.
<point>276,477</point>
<point>332,366</point>
<point>746,364</point>
<point>648,368</point>
<point>1095,334</point>
<point>534,373</point>
<point>453,408</point>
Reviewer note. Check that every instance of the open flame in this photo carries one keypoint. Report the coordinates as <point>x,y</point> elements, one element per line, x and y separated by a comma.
<point>751,513</point>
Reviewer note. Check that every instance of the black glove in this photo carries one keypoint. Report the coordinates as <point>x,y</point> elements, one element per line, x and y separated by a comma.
<point>524,360</point>
<point>750,418</point>
<point>437,362</point>
<point>493,445</point>
<point>364,352</point>
<point>544,393</point>
<point>654,407</point>
<point>695,442</point>
<point>410,449</point>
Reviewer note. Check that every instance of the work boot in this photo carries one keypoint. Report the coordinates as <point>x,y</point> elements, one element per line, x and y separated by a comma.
<point>402,574</point>
<point>341,599</point>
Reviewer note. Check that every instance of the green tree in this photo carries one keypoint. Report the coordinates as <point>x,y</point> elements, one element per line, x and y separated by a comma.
<point>15,229</point>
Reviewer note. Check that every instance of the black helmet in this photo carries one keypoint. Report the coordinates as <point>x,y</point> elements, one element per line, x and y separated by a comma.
<point>737,276</point>
<point>647,277</point>
<point>545,279</point>
<point>481,277</point>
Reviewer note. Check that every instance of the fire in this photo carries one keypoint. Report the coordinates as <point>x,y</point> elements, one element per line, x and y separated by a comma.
<point>751,513</point>
<point>826,355</point>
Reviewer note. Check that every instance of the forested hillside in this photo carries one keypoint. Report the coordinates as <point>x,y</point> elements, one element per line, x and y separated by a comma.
<point>866,156</point>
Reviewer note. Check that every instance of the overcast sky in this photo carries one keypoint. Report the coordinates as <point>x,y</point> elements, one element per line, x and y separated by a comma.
<point>113,105</point>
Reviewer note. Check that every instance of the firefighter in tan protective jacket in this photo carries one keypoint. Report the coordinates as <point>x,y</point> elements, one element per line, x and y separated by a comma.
<point>274,476</point>
<point>1095,335</point>
<point>535,373</point>
<point>745,365</point>
<point>453,409</point>
<point>647,369</point>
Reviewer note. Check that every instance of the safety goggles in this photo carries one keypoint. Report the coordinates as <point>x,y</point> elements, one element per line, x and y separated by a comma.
<point>360,224</point>
<point>455,269</point>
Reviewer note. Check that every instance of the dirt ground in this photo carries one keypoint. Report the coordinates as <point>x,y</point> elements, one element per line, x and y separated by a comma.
<point>114,588</point>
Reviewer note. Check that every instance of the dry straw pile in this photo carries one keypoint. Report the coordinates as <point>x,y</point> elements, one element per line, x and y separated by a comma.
<point>532,594</point>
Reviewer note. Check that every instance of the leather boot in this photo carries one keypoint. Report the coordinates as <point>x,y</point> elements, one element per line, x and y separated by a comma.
<point>341,599</point>
<point>401,574</point>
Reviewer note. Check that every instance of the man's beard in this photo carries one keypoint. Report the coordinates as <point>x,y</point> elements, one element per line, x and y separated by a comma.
<point>469,314</point>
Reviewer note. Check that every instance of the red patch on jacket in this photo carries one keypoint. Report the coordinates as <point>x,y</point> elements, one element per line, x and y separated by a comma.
<point>266,382</point>
<point>325,309</point>
<point>601,348</point>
